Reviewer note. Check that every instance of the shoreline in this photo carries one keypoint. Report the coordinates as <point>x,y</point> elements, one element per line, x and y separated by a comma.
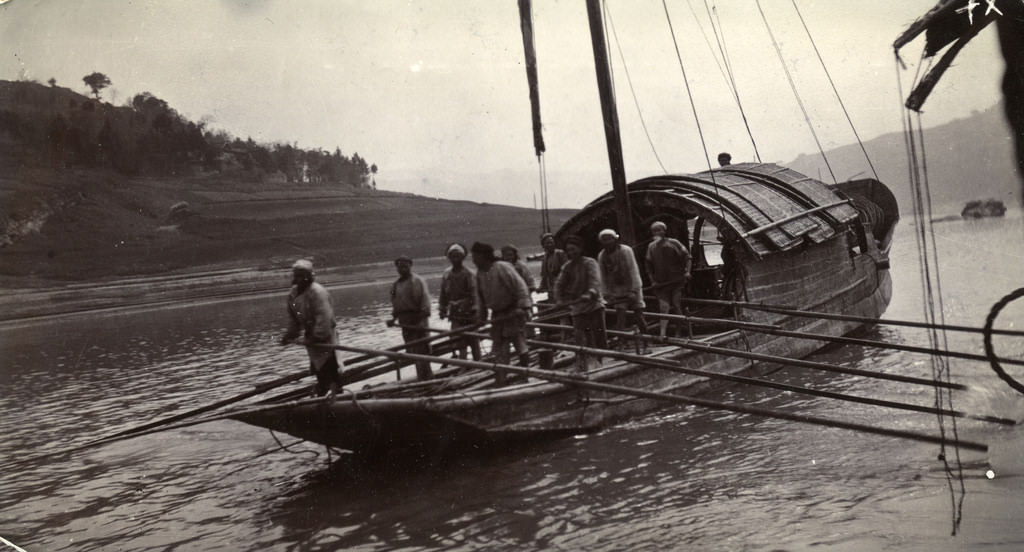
<point>53,299</point>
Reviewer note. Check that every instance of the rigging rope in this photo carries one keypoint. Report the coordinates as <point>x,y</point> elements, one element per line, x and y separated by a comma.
<point>710,47</point>
<point>636,102</point>
<point>835,90</point>
<point>931,292</point>
<point>792,86</point>
<point>693,106</point>
<point>731,79</point>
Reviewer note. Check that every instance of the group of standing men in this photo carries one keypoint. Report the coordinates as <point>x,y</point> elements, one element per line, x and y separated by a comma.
<point>584,285</point>
<point>503,287</point>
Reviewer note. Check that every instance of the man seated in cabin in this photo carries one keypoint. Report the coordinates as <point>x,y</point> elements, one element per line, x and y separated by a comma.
<point>503,291</point>
<point>579,288</point>
<point>668,265</point>
<point>310,315</point>
<point>724,159</point>
<point>410,308</point>
<point>620,277</point>
<point>458,298</point>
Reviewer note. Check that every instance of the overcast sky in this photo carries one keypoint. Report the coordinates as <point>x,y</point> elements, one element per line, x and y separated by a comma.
<point>436,90</point>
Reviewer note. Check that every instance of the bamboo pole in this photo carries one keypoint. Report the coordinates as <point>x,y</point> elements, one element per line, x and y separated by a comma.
<point>676,366</point>
<point>801,363</point>
<point>555,377</point>
<point>572,381</point>
<point>697,319</point>
<point>779,309</point>
<point>883,345</point>
<point>357,373</point>
<point>259,389</point>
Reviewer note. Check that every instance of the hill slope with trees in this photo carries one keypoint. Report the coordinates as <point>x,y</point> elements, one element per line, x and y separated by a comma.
<point>92,191</point>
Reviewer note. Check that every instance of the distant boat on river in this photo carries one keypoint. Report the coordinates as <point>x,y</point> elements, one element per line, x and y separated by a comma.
<point>980,208</point>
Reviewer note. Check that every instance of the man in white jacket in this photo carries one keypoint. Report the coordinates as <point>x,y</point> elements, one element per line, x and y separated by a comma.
<point>312,317</point>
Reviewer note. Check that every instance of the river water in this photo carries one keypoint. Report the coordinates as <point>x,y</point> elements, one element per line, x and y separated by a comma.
<point>684,478</point>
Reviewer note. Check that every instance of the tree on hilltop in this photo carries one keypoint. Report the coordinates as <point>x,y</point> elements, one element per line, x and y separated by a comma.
<point>96,81</point>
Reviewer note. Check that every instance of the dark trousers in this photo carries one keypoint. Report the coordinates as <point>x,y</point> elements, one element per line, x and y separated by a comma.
<point>326,375</point>
<point>472,342</point>
<point>423,371</point>
<point>589,331</point>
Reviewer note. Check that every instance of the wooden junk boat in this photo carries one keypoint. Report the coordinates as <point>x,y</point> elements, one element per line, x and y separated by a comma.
<point>791,240</point>
<point>759,233</point>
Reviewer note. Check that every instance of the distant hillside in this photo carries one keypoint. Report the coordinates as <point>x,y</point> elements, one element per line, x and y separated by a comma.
<point>971,158</point>
<point>91,224</point>
<point>89,190</point>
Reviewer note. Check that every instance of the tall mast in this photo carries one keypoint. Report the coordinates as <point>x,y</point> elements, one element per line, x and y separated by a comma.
<point>611,123</point>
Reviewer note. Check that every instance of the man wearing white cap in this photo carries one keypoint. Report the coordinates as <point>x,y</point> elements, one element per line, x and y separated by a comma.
<point>458,297</point>
<point>311,315</point>
<point>620,276</point>
<point>668,265</point>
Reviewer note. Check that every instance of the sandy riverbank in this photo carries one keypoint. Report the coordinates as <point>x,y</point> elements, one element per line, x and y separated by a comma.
<point>93,240</point>
<point>53,299</point>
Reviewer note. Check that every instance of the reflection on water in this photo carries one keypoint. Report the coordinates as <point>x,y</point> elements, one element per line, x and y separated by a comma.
<point>685,478</point>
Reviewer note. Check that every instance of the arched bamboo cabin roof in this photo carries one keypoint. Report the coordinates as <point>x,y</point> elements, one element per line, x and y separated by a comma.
<point>766,207</point>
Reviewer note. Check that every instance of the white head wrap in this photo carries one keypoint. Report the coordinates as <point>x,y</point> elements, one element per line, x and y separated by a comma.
<point>455,247</point>
<point>303,264</point>
<point>607,232</point>
<point>658,224</point>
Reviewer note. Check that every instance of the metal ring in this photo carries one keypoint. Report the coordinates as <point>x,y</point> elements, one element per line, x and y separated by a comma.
<point>990,350</point>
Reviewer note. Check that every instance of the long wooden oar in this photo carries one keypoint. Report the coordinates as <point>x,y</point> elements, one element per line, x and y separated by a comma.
<point>349,376</point>
<point>575,381</point>
<point>355,374</point>
<point>699,346</point>
<point>257,390</point>
<point>883,345</point>
<point>678,367</point>
<point>779,309</point>
<point>776,330</point>
<point>569,380</point>
<point>367,370</point>
<point>726,322</point>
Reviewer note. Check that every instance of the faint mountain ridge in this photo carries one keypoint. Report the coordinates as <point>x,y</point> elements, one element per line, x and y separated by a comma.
<point>966,159</point>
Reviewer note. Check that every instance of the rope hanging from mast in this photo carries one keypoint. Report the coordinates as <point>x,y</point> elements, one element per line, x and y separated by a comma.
<point>727,73</point>
<point>796,94</point>
<point>932,298</point>
<point>530,51</point>
<point>629,80</point>
<point>835,90</point>
<point>693,106</point>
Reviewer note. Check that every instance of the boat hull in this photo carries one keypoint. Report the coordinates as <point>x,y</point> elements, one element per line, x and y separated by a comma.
<point>541,409</point>
<point>797,243</point>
